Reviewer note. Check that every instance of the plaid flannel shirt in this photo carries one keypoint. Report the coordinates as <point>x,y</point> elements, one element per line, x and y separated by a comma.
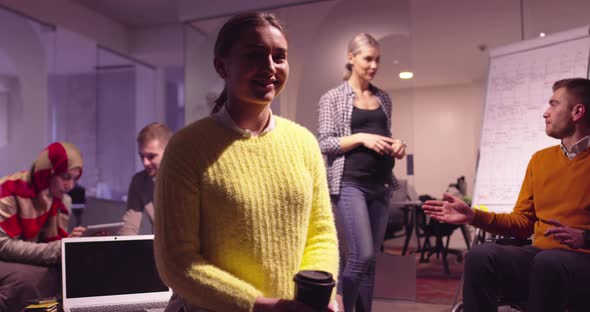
<point>335,113</point>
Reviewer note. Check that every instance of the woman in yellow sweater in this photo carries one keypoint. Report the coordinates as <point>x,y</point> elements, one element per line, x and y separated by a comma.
<point>242,201</point>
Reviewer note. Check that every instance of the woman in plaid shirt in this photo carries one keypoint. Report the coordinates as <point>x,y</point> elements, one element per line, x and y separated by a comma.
<point>355,136</point>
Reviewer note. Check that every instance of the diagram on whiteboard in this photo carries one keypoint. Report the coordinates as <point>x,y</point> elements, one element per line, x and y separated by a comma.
<point>518,90</point>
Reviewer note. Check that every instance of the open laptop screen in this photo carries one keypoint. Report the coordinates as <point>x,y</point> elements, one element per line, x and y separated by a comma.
<point>113,267</point>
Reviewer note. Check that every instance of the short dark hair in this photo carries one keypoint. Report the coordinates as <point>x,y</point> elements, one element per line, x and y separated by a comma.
<point>579,90</point>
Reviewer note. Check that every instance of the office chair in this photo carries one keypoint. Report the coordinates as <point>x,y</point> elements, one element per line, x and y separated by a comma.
<point>403,204</point>
<point>428,228</point>
<point>400,224</point>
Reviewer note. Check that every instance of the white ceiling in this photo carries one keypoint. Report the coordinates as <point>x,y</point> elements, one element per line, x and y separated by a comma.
<point>135,13</point>
<point>143,13</point>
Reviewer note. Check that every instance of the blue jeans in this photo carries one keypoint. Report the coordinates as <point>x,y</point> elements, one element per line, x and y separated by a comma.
<point>363,212</point>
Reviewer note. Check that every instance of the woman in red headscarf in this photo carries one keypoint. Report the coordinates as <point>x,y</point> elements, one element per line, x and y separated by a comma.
<point>34,215</point>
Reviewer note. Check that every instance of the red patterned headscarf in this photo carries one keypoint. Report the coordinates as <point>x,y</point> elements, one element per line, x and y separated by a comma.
<point>27,209</point>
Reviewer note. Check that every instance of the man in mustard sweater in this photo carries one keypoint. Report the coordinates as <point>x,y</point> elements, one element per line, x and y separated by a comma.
<point>553,204</point>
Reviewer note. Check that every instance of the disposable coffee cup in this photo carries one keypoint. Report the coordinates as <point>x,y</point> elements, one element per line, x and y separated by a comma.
<point>314,288</point>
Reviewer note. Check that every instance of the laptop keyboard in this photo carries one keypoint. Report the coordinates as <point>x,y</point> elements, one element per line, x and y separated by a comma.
<point>138,307</point>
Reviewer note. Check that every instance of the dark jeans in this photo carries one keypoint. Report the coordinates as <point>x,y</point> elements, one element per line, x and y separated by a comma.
<point>363,213</point>
<point>547,280</point>
<point>21,283</point>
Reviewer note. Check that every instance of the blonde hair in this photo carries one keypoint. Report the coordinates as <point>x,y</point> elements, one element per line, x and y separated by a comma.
<point>232,31</point>
<point>154,131</point>
<point>354,47</point>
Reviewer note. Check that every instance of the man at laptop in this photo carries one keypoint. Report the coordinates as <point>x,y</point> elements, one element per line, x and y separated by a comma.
<point>553,204</point>
<point>151,142</point>
<point>34,215</point>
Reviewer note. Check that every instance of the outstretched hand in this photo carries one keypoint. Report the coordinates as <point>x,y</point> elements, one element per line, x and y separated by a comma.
<point>78,231</point>
<point>566,235</point>
<point>450,210</point>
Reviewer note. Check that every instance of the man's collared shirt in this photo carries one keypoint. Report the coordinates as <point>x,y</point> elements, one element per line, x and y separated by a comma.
<point>577,148</point>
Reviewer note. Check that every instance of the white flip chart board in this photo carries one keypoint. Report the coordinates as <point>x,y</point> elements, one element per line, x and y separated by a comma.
<point>519,84</point>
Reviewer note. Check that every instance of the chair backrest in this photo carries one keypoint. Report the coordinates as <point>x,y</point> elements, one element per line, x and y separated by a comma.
<point>412,194</point>
<point>402,193</point>
<point>398,212</point>
<point>405,193</point>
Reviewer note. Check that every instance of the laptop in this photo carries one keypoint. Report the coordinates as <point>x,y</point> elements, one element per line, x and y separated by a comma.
<point>111,273</point>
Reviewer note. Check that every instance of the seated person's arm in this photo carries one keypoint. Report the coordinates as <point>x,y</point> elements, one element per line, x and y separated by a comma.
<point>572,237</point>
<point>16,250</point>
<point>132,222</point>
<point>134,212</point>
<point>520,222</point>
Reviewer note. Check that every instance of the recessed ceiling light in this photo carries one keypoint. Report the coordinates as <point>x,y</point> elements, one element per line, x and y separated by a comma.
<point>406,75</point>
<point>542,34</point>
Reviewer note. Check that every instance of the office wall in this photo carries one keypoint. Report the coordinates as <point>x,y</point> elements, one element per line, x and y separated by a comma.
<point>442,127</point>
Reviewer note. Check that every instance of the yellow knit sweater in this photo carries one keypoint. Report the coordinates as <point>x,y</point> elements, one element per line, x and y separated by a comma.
<point>237,217</point>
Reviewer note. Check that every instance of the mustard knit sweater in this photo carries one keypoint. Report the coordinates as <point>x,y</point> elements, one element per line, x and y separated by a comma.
<point>237,217</point>
<point>553,188</point>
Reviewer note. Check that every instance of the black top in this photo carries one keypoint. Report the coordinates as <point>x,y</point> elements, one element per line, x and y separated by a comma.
<point>141,191</point>
<point>362,164</point>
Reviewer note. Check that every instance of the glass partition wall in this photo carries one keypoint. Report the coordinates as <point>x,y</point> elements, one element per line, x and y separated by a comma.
<point>57,85</point>
<point>126,103</point>
<point>27,57</point>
